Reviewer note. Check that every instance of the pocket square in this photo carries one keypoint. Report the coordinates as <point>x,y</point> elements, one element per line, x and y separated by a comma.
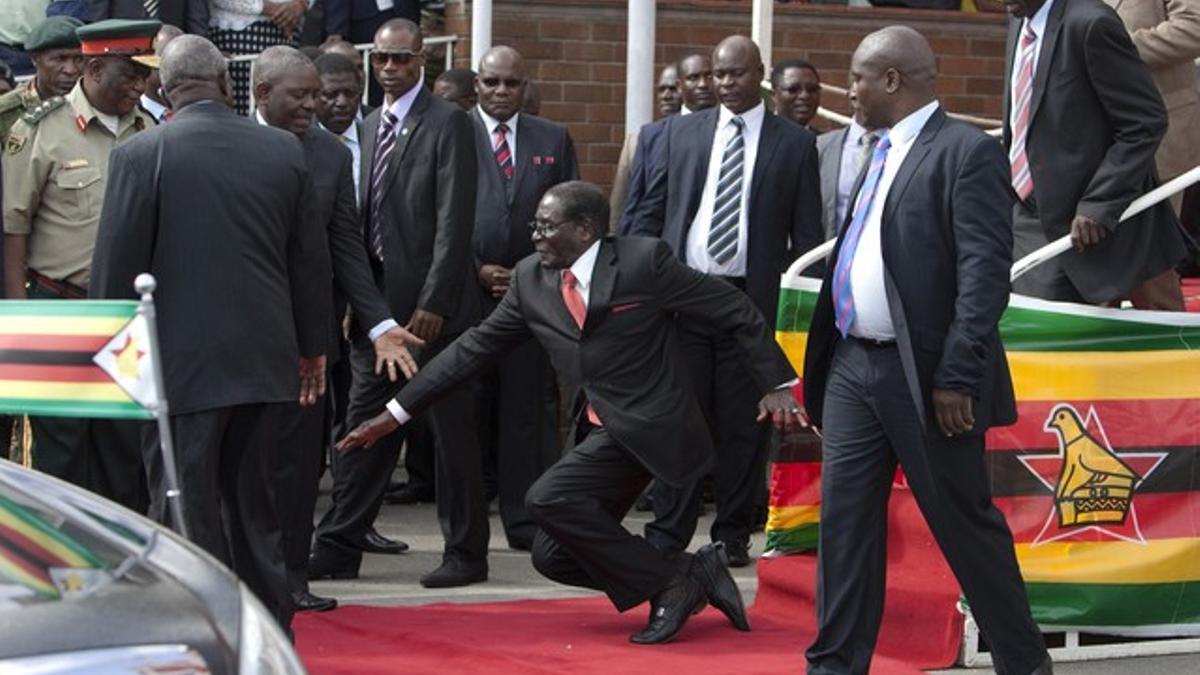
<point>627,306</point>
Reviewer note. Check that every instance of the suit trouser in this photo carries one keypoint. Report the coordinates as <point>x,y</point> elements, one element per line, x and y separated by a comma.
<point>1048,280</point>
<point>305,434</point>
<point>729,399</point>
<point>579,504</point>
<point>518,425</point>
<point>102,456</point>
<point>870,422</point>
<point>360,478</point>
<point>228,464</point>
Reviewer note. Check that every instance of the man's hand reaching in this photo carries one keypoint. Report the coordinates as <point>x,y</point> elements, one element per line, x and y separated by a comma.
<point>391,352</point>
<point>366,434</point>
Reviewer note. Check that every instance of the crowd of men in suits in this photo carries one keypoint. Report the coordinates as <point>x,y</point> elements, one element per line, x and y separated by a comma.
<point>332,251</point>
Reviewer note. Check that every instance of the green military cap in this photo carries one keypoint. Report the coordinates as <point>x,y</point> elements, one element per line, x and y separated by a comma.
<point>121,37</point>
<point>56,32</point>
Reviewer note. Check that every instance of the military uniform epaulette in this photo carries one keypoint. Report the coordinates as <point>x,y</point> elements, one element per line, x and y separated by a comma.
<point>11,101</point>
<point>33,117</point>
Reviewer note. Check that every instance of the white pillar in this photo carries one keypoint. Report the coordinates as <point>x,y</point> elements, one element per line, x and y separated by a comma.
<point>481,30</point>
<point>639,65</point>
<point>761,23</point>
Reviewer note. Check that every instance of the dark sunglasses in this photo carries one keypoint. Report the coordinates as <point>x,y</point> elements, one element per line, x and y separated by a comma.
<point>400,57</point>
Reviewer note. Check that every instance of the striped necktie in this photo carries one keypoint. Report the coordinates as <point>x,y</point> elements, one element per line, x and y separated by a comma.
<point>724,234</point>
<point>151,7</point>
<point>502,152</point>
<point>384,143</point>
<point>1022,179</point>
<point>843,299</point>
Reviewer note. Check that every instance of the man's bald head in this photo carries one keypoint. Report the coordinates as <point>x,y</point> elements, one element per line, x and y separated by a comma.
<point>275,62</point>
<point>892,74</point>
<point>500,83</point>
<point>165,35</point>
<point>738,73</point>
<point>193,69</point>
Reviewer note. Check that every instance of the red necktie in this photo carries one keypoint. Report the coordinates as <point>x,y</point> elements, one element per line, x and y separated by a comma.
<point>574,302</point>
<point>1022,179</point>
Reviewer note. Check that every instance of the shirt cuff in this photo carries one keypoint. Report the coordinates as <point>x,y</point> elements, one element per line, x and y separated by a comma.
<point>398,412</point>
<point>789,384</point>
<point>381,328</point>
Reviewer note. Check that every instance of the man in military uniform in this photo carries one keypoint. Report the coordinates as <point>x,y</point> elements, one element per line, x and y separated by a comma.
<point>54,48</point>
<point>55,165</point>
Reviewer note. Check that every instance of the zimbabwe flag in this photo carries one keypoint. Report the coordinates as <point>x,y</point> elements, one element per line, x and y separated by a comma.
<point>1099,478</point>
<point>75,358</point>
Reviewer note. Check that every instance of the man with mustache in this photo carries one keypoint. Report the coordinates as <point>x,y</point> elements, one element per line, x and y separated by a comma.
<point>55,170</point>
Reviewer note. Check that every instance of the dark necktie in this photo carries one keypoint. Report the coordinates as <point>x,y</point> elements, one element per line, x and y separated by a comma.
<point>843,299</point>
<point>503,154</point>
<point>384,143</point>
<point>574,302</point>
<point>724,233</point>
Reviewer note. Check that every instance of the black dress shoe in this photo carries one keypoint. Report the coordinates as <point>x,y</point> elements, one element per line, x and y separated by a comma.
<point>455,572</point>
<point>329,561</point>
<point>737,554</point>
<point>670,610</point>
<point>520,543</point>
<point>710,568</point>
<point>307,602</point>
<point>373,542</point>
<point>409,494</point>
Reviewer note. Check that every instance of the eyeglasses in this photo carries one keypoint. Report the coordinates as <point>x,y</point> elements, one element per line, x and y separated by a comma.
<point>400,57</point>
<point>545,229</point>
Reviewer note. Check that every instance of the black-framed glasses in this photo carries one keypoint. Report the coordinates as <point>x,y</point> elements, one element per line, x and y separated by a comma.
<point>544,228</point>
<point>400,57</point>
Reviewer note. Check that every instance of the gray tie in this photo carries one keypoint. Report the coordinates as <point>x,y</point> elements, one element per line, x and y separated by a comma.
<point>723,235</point>
<point>866,144</point>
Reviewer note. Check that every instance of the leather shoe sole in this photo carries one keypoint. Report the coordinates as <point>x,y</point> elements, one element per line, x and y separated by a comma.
<point>709,565</point>
<point>453,574</point>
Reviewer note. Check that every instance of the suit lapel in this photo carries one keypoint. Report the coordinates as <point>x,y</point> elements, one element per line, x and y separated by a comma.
<point>521,162</point>
<point>1014,32</point>
<point>766,150</point>
<point>604,279</point>
<point>912,161</point>
<point>552,281</point>
<point>832,166</point>
<point>366,143</point>
<point>1045,56</point>
<point>699,161</point>
<point>404,134</point>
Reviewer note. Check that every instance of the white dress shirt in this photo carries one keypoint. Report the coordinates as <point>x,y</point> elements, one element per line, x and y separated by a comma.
<point>582,268</point>
<point>847,171</point>
<point>1038,23</point>
<point>490,123</point>
<point>400,107</point>
<point>350,138</point>
<point>156,109</point>
<point>381,327</point>
<point>872,318</point>
<point>697,237</point>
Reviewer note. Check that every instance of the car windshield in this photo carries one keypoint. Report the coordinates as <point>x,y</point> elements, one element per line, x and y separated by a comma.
<point>57,545</point>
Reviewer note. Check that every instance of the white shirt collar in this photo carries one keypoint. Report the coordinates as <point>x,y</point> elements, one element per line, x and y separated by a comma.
<point>153,107</point>
<point>261,120</point>
<point>1039,18</point>
<point>684,110</point>
<point>584,265</point>
<point>906,130</point>
<point>401,105</point>
<point>490,122</point>
<point>752,117</point>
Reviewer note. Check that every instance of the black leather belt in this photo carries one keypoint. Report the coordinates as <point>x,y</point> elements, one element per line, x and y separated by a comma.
<point>870,343</point>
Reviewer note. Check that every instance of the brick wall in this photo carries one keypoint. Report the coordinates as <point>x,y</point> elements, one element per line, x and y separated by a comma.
<point>575,50</point>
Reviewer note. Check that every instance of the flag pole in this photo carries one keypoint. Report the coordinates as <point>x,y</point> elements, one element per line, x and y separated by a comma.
<point>145,285</point>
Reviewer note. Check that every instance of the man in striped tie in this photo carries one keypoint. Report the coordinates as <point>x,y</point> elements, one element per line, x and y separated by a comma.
<point>904,364</point>
<point>1083,120</point>
<point>736,194</point>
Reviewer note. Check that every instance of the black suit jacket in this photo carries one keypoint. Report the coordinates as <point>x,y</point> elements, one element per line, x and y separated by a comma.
<point>340,13</point>
<point>331,168</point>
<point>645,159</point>
<point>785,197</point>
<point>1095,123</point>
<point>947,249</point>
<point>624,359</point>
<point>242,267</point>
<point>545,157</point>
<point>189,15</point>
<point>429,192</point>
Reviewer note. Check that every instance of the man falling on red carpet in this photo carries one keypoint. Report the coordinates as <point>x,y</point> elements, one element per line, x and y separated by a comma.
<point>602,309</point>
